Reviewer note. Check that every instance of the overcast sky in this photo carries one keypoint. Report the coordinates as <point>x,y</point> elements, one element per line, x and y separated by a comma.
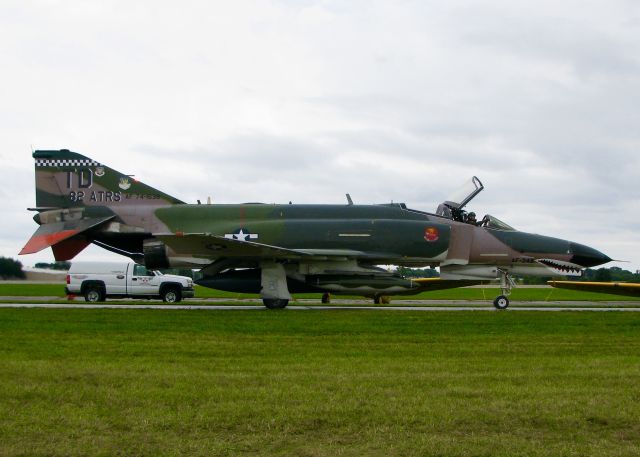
<point>306,100</point>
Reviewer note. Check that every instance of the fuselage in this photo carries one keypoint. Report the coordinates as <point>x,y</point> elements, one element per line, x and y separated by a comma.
<point>376,234</point>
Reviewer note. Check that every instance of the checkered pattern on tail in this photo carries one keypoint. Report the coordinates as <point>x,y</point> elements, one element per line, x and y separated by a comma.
<point>66,163</point>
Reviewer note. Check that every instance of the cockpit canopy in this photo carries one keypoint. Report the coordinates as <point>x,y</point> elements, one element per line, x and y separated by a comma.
<point>452,208</point>
<point>465,194</point>
<point>493,222</point>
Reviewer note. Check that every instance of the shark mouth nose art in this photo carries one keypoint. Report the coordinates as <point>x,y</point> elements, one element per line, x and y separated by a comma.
<point>561,268</point>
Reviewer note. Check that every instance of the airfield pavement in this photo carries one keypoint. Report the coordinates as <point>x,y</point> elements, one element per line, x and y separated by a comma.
<point>529,298</point>
<point>470,306</point>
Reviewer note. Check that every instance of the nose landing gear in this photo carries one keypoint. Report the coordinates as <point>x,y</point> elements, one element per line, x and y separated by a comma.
<point>501,302</point>
<point>506,284</point>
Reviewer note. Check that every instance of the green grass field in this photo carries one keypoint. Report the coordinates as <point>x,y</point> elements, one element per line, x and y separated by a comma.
<point>468,293</point>
<point>315,383</point>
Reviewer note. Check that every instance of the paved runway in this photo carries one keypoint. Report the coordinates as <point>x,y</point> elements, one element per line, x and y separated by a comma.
<point>341,301</point>
<point>596,307</point>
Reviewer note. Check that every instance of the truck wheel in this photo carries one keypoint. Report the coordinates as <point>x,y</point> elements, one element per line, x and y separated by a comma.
<point>93,294</point>
<point>171,295</point>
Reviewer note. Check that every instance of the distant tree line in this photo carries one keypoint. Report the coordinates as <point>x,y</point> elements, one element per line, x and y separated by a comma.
<point>54,266</point>
<point>417,272</point>
<point>615,274</point>
<point>11,269</point>
<point>610,274</point>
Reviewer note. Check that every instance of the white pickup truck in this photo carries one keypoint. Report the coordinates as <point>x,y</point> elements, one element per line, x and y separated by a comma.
<point>98,280</point>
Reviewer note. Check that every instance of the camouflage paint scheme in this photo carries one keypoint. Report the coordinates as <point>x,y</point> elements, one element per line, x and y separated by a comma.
<point>274,249</point>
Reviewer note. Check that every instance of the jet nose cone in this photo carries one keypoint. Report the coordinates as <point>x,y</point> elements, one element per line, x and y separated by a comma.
<point>586,256</point>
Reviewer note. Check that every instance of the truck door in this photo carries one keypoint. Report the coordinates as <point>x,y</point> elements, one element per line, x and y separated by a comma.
<point>116,281</point>
<point>141,282</point>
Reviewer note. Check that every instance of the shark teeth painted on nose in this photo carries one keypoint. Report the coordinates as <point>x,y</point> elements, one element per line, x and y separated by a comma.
<point>561,267</point>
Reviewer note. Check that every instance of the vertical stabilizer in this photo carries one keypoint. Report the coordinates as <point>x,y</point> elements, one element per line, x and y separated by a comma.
<point>66,179</point>
<point>81,201</point>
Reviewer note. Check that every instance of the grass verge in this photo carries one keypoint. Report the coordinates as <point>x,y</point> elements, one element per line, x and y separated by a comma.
<point>122,382</point>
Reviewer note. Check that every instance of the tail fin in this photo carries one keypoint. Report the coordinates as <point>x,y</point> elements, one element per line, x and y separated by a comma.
<point>66,179</point>
<point>76,197</point>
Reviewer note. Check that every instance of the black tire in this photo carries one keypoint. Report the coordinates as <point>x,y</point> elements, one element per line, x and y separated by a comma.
<point>93,294</point>
<point>171,295</point>
<point>326,297</point>
<point>501,302</point>
<point>381,300</point>
<point>275,303</point>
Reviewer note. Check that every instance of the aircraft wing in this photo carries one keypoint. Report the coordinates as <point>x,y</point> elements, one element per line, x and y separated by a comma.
<point>615,288</point>
<point>427,284</point>
<point>197,243</point>
<point>59,233</point>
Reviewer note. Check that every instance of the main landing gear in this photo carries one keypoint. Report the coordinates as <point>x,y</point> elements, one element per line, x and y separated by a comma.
<point>273,281</point>
<point>506,284</point>
<point>275,303</point>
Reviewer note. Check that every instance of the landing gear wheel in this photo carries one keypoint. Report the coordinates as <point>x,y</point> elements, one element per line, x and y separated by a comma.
<point>501,302</point>
<point>326,297</point>
<point>93,295</point>
<point>506,284</point>
<point>275,303</point>
<point>381,300</point>
<point>171,295</point>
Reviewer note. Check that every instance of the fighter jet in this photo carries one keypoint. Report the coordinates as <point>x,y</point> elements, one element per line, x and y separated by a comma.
<point>279,249</point>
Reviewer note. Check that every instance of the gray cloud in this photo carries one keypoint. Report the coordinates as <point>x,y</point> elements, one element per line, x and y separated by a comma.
<point>304,101</point>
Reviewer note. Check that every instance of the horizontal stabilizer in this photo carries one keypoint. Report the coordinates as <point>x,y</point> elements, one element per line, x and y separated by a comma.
<point>69,248</point>
<point>56,232</point>
<point>614,288</point>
